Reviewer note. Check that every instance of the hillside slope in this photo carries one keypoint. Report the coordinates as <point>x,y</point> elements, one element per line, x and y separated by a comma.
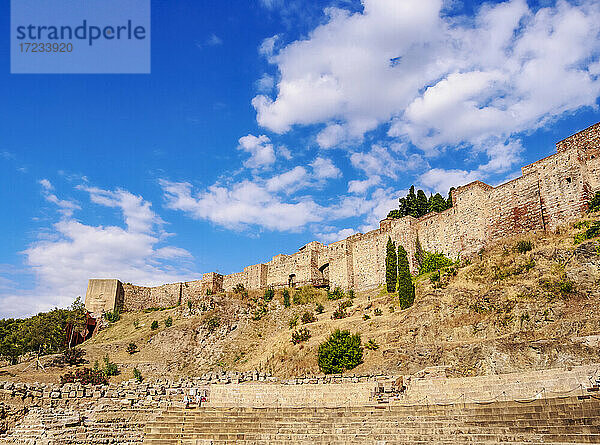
<point>505,311</point>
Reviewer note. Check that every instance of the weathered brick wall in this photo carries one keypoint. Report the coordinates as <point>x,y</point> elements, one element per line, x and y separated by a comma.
<point>257,275</point>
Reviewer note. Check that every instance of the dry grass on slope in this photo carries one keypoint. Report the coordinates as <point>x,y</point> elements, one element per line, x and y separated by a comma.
<point>506,311</point>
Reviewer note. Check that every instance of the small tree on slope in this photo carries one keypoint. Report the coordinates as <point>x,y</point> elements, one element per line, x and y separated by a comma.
<point>406,289</point>
<point>391,266</point>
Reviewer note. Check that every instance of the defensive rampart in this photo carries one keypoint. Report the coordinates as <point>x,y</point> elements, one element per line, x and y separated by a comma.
<point>549,192</point>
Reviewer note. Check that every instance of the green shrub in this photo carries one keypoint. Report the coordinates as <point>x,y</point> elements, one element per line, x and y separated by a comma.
<point>85,376</point>
<point>523,246</point>
<point>286,298</point>
<point>435,277</point>
<point>433,261</point>
<point>239,289</point>
<point>319,308</point>
<point>336,294</point>
<point>392,309</point>
<point>350,294</point>
<point>269,294</point>
<point>595,203</point>
<point>377,312</point>
<point>308,317</point>
<point>260,311</point>
<point>190,305</point>
<point>346,303</point>
<point>339,313</point>
<point>110,368</point>
<point>73,356</point>
<point>342,351</point>
<point>132,348</point>
<point>113,316</point>
<point>213,323</point>
<point>366,317</point>
<point>154,325</point>
<point>592,231</point>
<point>293,321</point>
<point>136,323</point>
<point>169,322</point>
<point>372,345</point>
<point>300,335</point>
<point>137,375</point>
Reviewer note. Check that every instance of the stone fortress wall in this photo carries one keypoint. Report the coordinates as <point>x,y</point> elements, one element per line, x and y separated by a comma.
<point>549,192</point>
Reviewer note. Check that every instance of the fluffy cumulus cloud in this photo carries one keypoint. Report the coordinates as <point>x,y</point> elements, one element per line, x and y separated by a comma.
<point>260,148</point>
<point>435,80</point>
<point>71,252</point>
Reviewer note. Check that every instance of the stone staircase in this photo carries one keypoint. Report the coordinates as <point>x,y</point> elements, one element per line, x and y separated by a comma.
<point>571,420</point>
<point>53,427</point>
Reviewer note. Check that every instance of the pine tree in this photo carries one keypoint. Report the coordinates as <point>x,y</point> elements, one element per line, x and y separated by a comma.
<point>391,267</point>
<point>406,289</point>
<point>437,203</point>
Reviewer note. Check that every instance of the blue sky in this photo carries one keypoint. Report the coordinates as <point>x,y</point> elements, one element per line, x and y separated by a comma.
<point>267,124</point>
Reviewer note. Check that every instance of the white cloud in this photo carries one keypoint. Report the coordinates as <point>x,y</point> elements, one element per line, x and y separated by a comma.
<point>361,187</point>
<point>73,252</point>
<point>284,152</point>
<point>331,136</point>
<point>323,168</point>
<point>267,46</point>
<point>243,204</point>
<point>288,181</point>
<point>47,185</point>
<point>260,149</point>
<point>265,84</point>
<point>440,180</point>
<point>66,207</point>
<point>214,40</point>
<point>435,80</point>
<point>334,236</point>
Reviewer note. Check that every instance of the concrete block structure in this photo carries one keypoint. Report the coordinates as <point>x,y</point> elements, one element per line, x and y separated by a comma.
<point>549,192</point>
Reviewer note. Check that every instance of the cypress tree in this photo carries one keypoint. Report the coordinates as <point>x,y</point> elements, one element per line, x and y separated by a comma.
<point>391,267</point>
<point>406,289</point>
<point>411,203</point>
<point>422,203</point>
<point>449,200</point>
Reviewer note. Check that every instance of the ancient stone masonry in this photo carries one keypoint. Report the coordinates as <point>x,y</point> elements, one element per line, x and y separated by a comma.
<point>549,192</point>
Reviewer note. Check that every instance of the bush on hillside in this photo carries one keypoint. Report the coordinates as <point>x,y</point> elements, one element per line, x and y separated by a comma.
<point>293,321</point>
<point>342,351</point>
<point>337,294</point>
<point>523,246</point>
<point>592,231</point>
<point>595,203</point>
<point>169,322</point>
<point>269,294</point>
<point>286,298</point>
<point>132,348</point>
<point>85,376</point>
<point>433,261</point>
<point>406,288</point>
<point>73,356</point>
<point>308,317</point>
<point>137,375</point>
<point>301,335</point>
<point>339,313</point>
<point>154,325</point>
<point>113,316</point>
<point>110,368</point>
<point>319,308</point>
